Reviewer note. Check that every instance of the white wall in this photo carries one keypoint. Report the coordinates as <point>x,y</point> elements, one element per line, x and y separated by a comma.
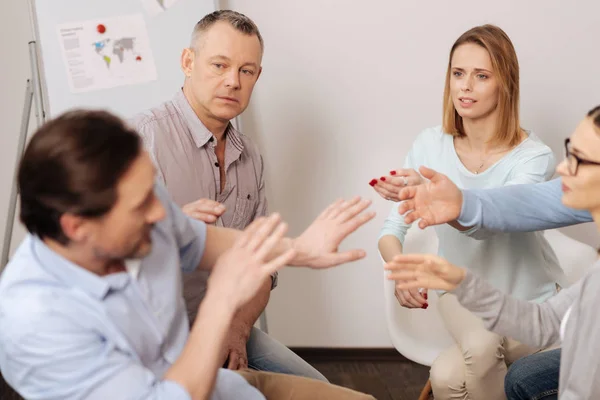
<point>15,29</point>
<point>345,89</point>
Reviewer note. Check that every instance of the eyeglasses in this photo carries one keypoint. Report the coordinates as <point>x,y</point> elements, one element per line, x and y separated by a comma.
<point>573,161</point>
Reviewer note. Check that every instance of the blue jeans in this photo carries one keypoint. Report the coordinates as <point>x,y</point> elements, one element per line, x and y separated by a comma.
<point>534,377</point>
<point>267,354</point>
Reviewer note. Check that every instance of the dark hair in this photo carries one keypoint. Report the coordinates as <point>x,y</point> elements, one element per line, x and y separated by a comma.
<point>237,20</point>
<point>73,164</point>
<point>594,114</point>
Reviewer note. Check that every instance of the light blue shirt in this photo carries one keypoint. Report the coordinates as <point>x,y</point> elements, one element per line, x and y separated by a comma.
<point>520,208</point>
<point>520,264</point>
<point>66,333</point>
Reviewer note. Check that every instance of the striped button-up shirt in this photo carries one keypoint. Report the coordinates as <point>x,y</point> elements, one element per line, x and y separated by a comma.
<point>183,150</point>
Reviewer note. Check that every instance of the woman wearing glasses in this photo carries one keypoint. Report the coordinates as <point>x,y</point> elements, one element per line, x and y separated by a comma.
<point>571,316</point>
<point>480,145</point>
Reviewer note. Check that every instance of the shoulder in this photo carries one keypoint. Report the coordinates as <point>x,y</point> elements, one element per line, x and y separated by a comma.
<point>430,136</point>
<point>153,120</point>
<point>531,147</point>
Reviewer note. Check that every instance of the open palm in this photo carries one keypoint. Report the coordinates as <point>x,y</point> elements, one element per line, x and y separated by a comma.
<point>411,271</point>
<point>436,201</point>
<point>317,246</point>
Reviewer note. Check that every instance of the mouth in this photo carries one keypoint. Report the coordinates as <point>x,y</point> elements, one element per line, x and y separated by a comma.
<point>228,99</point>
<point>565,188</point>
<point>466,101</point>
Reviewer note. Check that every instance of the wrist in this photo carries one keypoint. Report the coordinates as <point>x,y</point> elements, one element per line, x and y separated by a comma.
<point>219,301</point>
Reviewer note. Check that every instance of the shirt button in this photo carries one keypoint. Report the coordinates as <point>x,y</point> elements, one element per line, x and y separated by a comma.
<point>216,164</point>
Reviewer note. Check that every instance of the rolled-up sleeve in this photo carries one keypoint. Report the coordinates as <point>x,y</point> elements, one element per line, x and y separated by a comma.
<point>52,357</point>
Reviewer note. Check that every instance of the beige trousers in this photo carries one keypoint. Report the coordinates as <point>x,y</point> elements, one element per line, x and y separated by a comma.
<point>290,387</point>
<point>475,367</point>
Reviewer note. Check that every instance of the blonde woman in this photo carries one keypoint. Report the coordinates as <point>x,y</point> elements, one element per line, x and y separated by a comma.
<point>480,145</point>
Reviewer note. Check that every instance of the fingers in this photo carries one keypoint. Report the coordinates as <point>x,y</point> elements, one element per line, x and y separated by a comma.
<point>279,262</point>
<point>385,193</point>
<point>265,247</point>
<point>409,299</point>
<point>207,218</point>
<point>260,235</point>
<point>408,192</point>
<point>329,210</point>
<point>249,232</point>
<point>354,210</point>
<point>334,259</point>
<point>431,174</point>
<point>356,222</point>
<point>206,206</point>
<point>343,207</point>
<point>233,361</point>
<point>407,205</point>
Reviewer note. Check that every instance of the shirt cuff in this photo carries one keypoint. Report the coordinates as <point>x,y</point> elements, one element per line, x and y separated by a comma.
<point>469,213</point>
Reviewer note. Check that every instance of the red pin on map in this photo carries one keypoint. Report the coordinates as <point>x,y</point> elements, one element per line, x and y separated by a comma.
<point>101,28</point>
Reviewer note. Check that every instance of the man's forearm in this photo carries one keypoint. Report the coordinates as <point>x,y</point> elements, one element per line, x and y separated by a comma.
<point>197,366</point>
<point>248,315</point>
<point>519,208</point>
<point>219,240</point>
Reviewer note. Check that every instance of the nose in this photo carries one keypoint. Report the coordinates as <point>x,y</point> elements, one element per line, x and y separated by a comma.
<point>467,84</point>
<point>562,168</point>
<point>232,80</point>
<point>157,212</point>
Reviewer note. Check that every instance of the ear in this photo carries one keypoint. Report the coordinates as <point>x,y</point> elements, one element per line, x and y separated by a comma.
<point>187,61</point>
<point>74,227</point>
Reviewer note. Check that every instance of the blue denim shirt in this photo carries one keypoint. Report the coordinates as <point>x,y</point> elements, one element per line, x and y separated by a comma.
<point>66,333</point>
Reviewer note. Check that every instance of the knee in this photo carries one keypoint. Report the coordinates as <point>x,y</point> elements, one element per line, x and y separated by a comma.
<point>482,348</point>
<point>516,380</point>
<point>446,375</point>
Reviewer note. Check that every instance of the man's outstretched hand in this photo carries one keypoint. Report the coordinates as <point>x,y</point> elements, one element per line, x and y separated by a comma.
<point>436,201</point>
<point>317,246</point>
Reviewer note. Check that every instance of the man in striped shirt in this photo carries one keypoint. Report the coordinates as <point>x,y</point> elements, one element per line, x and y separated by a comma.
<point>214,172</point>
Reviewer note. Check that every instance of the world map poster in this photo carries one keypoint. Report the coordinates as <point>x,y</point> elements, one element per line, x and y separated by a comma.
<point>105,53</point>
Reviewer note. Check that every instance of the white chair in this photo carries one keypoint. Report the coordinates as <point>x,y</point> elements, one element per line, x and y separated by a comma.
<point>420,335</point>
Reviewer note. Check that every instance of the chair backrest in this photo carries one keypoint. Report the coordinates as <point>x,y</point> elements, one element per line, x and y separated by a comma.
<point>573,256</point>
<point>420,335</point>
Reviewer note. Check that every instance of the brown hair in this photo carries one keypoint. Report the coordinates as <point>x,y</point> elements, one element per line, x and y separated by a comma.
<point>594,114</point>
<point>237,20</point>
<point>72,165</point>
<point>506,67</point>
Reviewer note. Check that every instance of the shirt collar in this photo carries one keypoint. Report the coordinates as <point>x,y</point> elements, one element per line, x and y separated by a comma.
<point>75,276</point>
<point>199,132</point>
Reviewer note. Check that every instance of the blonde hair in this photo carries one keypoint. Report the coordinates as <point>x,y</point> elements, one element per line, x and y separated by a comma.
<point>506,67</point>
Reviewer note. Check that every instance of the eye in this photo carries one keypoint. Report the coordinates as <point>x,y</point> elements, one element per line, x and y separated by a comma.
<point>218,65</point>
<point>457,73</point>
<point>482,76</point>
<point>248,72</point>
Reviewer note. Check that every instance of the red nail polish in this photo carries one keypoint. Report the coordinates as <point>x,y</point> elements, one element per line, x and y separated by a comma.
<point>373,182</point>
<point>392,172</point>
<point>382,178</point>
<point>424,307</point>
<point>425,296</point>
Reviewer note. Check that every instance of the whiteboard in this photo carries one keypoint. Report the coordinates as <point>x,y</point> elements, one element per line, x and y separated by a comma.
<point>169,33</point>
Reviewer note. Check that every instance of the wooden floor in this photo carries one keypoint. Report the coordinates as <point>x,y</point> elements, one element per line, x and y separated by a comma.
<point>382,376</point>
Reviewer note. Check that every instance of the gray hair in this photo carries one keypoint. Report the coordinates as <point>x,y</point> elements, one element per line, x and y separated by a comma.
<point>238,20</point>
